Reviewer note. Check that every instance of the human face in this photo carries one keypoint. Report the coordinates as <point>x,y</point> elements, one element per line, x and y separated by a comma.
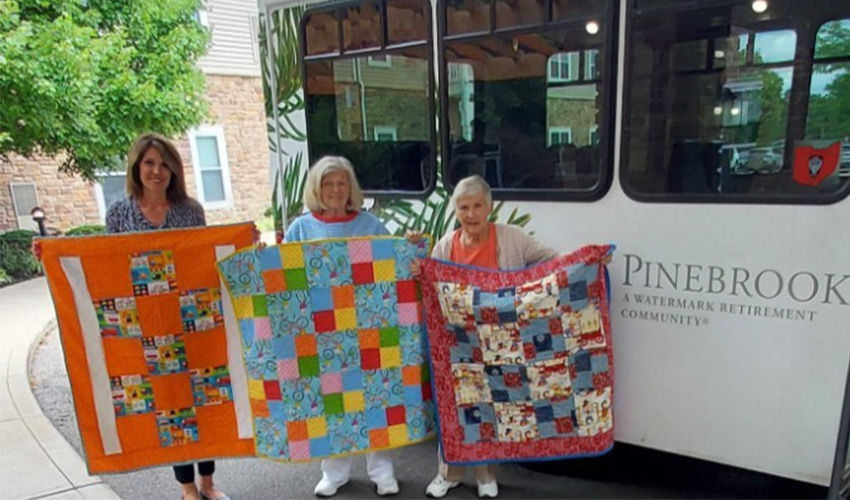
<point>154,173</point>
<point>472,212</point>
<point>336,191</point>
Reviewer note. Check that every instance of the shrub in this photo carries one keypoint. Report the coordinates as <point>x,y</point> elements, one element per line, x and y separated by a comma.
<point>17,262</point>
<point>86,229</point>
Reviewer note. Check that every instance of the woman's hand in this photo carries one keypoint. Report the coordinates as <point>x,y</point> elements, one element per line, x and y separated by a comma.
<point>416,269</point>
<point>413,236</point>
<point>255,237</point>
<point>36,249</point>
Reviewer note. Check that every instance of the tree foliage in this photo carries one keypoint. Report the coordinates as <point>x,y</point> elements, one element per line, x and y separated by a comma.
<point>81,78</point>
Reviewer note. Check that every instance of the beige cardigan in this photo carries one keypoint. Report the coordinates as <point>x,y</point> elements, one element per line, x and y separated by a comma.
<point>514,248</point>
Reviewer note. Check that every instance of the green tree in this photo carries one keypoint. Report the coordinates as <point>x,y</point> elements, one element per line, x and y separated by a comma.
<point>81,78</point>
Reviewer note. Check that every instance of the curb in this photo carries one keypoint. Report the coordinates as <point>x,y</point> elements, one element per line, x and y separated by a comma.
<point>71,464</point>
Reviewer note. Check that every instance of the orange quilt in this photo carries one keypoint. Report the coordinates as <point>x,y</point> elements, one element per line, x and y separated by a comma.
<point>152,346</point>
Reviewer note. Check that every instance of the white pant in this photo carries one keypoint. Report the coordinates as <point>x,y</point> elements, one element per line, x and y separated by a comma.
<point>379,466</point>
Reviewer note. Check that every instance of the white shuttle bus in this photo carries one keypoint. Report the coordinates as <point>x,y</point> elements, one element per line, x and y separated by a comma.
<point>708,139</point>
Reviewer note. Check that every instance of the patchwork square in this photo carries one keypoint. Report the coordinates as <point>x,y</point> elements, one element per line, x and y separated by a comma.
<point>118,317</point>
<point>338,351</point>
<point>516,421</point>
<point>376,305</point>
<point>289,312</point>
<point>302,398</point>
<point>295,279</point>
<point>470,384</point>
<point>360,251</point>
<point>537,299</point>
<point>383,270</point>
<point>456,303</point>
<point>523,360</point>
<point>328,264</point>
<point>211,386</point>
<point>177,427</point>
<point>131,394</point>
<point>549,380</point>
<point>200,309</point>
<point>153,273</point>
<point>270,259</point>
<point>501,344</point>
<point>347,433</point>
<point>165,354</point>
<point>241,273</point>
<point>593,411</point>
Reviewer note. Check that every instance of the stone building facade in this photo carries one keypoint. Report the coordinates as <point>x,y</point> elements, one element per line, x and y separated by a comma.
<point>230,151</point>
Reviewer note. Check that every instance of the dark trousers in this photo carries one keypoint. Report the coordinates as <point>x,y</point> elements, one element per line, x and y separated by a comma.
<point>185,474</point>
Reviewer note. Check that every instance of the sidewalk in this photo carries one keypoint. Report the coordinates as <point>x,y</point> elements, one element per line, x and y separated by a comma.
<point>35,460</point>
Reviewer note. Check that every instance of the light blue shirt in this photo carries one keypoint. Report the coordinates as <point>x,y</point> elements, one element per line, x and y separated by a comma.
<point>310,227</point>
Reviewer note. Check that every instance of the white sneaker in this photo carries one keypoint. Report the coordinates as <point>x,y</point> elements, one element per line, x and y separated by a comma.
<point>328,488</point>
<point>387,487</point>
<point>488,490</point>
<point>439,487</point>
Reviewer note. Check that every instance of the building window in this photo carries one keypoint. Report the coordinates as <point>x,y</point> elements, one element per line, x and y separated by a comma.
<point>212,175</point>
<point>380,61</point>
<point>201,15</point>
<point>560,135</point>
<point>386,133</point>
<point>110,188</point>
<point>254,27</point>
<point>561,67</point>
<point>590,64</point>
<point>24,199</point>
<point>593,135</point>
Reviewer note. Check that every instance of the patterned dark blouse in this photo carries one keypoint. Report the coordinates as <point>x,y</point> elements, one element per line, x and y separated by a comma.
<point>126,216</point>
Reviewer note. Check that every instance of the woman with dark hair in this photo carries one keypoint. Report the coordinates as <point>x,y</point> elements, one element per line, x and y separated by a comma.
<point>157,199</point>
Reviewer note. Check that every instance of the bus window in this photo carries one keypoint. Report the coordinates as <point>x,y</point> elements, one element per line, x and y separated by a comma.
<point>526,98</point>
<point>372,101</point>
<point>716,95</point>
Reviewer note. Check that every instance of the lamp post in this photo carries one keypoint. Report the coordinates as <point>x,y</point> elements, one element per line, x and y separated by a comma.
<point>38,216</point>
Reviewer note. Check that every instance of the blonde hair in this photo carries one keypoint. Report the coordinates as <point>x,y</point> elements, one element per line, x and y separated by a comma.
<point>472,185</point>
<point>327,165</point>
<point>176,190</point>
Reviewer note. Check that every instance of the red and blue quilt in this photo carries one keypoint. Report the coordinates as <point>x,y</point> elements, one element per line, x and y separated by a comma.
<point>522,360</point>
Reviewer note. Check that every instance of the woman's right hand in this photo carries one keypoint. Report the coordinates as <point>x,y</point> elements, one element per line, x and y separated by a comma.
<point>36,249</point>
<point>413,236</point>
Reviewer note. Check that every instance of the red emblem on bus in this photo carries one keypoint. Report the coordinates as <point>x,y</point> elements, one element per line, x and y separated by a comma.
<point>812,165</point>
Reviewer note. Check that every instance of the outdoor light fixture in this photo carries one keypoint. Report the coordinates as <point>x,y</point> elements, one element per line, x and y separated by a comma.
<point>759,6</point>
<point>735,111</point>
<point>719,54</point>
<point>718,110</point>
<point>37,214</point>
<point>592,27</point>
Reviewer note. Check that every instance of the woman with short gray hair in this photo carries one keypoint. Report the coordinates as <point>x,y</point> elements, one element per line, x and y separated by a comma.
<point>480,243</point>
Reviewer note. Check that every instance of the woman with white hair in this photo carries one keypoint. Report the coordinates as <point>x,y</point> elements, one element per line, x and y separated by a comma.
<point>333,197</point>
<point>480,243</point>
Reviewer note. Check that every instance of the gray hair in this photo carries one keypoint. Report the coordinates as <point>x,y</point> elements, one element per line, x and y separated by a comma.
<point>470,186</point>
